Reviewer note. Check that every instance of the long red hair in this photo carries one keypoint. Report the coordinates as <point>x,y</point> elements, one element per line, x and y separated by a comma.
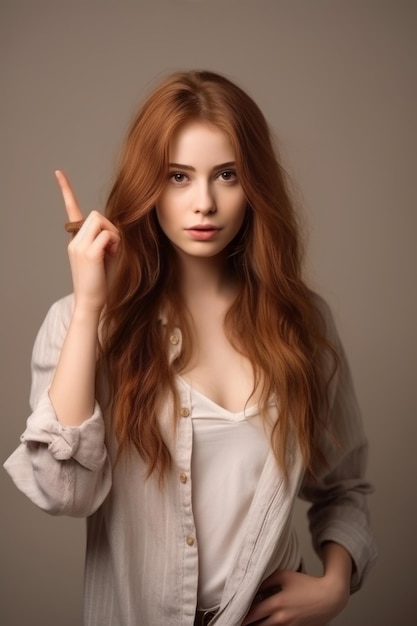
<point>274,320</point>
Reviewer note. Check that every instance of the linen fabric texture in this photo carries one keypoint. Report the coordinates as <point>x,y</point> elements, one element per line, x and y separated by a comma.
<point>142,553</point>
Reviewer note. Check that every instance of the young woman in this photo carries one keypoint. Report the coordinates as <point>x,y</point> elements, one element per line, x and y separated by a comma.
<point>192,386</point>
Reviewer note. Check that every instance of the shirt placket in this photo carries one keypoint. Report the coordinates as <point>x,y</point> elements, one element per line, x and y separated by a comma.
<point>187,531</point>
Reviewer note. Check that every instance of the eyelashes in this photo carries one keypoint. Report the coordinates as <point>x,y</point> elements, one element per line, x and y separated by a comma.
<point>177,177</point>
<point>226,176</point>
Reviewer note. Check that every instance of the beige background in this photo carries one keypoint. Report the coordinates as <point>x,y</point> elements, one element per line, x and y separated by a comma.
<point>337,81</point>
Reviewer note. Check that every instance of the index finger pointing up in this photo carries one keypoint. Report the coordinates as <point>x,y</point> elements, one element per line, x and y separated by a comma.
<point>71,204</point>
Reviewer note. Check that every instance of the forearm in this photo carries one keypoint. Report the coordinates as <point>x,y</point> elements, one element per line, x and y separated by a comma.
<point>72,392</point>
<point>337,565</point>
<point>92,252</point>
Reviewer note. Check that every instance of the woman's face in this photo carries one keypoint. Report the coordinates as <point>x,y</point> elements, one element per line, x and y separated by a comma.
<point>202,206</point>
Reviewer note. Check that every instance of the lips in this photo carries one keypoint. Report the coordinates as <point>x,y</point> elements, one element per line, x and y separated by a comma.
<point>203,232</point>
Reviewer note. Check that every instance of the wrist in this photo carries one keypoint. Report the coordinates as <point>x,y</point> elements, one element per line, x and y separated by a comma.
<point>337,582</point>
<point>85,313</point>
<point>335,592</point>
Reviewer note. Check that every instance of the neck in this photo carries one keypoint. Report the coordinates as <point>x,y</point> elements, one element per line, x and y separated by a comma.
<point>202,278</point>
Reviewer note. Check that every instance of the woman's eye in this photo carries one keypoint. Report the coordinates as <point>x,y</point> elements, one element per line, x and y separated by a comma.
<point>177,177</point>
<point>228,175</point>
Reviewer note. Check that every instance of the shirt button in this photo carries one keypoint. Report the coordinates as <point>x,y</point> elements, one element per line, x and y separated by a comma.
<point>190,541</point>
<point>174,339</point>
<point>183,477</point>
<point>184,412</point>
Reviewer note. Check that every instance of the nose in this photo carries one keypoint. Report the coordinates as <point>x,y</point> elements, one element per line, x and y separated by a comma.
<point>205,203</point>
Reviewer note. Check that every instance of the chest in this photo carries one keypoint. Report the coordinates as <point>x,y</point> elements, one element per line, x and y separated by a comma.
<point>218,370</point>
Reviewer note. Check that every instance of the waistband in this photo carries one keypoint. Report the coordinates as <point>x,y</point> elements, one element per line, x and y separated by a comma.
<point>203,618</point>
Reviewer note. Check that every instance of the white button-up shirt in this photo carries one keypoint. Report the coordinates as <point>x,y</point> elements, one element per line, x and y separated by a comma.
<point>142,551</point>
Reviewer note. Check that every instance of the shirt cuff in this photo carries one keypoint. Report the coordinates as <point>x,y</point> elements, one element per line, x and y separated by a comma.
<point>357,541</point>
<point>84,443</point>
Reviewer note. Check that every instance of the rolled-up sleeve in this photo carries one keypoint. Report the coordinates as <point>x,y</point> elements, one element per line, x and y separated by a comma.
<point>63,470</point>
<point>339,510</point>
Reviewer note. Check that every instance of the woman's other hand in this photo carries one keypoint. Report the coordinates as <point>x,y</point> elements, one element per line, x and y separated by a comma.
<point>298,600</point>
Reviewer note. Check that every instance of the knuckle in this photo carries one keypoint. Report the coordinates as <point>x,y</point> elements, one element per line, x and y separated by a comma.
<point>96,215</point>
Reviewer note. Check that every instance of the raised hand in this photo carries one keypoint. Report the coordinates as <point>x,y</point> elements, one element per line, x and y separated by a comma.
<point>92,252</point>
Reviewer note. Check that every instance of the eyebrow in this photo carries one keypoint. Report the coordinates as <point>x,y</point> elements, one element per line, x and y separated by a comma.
<point>192,169</point>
